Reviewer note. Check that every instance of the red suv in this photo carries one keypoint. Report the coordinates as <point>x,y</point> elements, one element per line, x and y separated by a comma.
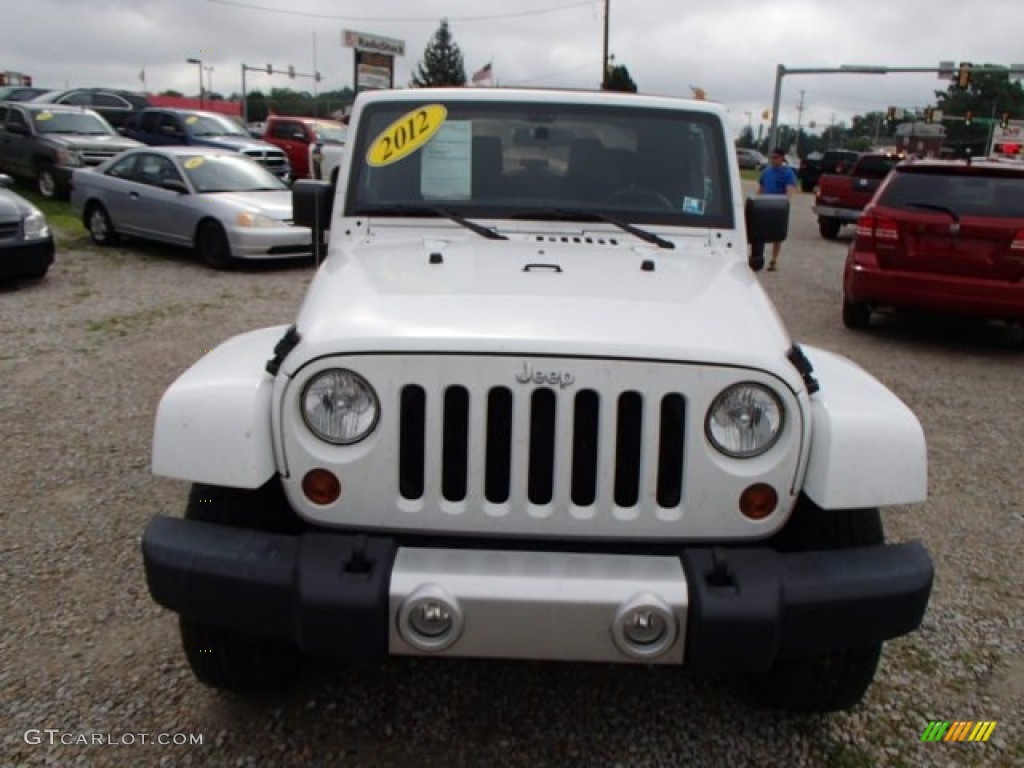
<point>942,236</point>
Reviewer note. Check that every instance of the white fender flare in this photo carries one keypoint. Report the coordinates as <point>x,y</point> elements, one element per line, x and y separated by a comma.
<point>213,424</point>
<point>867,447</point>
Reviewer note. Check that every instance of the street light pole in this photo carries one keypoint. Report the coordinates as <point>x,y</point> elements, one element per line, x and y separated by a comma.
<point>604,58</point>
<point>199,64</point>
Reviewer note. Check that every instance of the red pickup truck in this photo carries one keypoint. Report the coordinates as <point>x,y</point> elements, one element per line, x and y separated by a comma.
<point>841,197</point>
<point>299,136</point>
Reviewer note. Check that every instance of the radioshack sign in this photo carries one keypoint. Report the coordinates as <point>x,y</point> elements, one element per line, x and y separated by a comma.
<point>372,43</point>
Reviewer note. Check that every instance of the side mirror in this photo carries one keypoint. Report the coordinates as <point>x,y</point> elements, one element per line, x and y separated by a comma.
<point>767,221</point>
<point>175,185</point>
<point>312,206</point>
<point>6,182</point>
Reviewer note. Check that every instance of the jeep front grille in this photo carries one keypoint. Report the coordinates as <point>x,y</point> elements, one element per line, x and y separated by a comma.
<point>623,449</point>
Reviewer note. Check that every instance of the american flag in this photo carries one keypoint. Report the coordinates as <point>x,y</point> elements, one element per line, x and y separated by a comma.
<point>483,74</point>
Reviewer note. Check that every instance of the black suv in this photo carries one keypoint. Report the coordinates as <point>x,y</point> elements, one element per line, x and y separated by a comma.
<point>117,107</point>
<point>815,165</point>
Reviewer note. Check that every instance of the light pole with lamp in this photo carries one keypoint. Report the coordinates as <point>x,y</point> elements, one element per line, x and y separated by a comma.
<point>198,63</point>
<point>209,82</point>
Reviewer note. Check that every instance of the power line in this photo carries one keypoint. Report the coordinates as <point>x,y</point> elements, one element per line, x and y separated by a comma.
<point>432,19</point>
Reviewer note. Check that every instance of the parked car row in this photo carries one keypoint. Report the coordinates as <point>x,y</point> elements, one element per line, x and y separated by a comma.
<point>159,126</point>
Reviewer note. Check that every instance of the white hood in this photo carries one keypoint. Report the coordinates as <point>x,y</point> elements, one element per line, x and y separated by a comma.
<point>532,294</point>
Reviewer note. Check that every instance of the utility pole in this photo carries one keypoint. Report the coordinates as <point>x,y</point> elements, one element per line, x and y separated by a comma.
<point>604,58</point>
<point>799,121</point>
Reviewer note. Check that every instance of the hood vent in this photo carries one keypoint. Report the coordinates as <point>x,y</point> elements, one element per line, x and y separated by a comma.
<point>575,240</point>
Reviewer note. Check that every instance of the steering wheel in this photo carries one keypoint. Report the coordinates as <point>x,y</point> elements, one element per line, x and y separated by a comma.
<point>641,195</point>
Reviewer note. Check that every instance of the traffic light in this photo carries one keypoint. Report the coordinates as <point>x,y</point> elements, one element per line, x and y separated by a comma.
<point>963,77</point>
<point>291,71</point>
<point>890,115</point>
<point>1004,121</point>
<point>270,69</point>
<point>968,117</point>
<point>929,115</point>
<point>766,115</point>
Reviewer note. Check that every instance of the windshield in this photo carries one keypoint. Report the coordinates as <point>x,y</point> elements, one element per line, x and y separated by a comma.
<point>334,134</point>
<point>47,121</point>
<point>970,194</point>
<point>211,125</point>
<point>227,173</point>
<point>526,160</point>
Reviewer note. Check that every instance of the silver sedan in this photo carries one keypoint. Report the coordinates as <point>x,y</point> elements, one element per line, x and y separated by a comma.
<point>217,202</point>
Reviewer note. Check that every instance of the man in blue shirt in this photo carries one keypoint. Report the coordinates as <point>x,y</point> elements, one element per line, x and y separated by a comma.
<point>777,179</point>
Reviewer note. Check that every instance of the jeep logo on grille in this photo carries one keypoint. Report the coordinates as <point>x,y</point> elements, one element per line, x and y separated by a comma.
<point>560,379</point>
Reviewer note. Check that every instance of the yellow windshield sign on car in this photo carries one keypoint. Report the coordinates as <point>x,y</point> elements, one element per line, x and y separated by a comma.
<point>191,120</point>
<point>407,134</point>
<point>194,162</point>
<point>43,116</point>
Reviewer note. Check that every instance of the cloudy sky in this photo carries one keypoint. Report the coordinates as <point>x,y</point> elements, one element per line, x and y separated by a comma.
<point>731,48</point>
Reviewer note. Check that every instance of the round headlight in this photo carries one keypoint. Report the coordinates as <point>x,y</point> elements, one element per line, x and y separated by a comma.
<point>339,406</point>
<point>745,420</point>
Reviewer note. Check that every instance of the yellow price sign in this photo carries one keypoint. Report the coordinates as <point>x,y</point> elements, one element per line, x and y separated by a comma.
<point>44,116</point>
<point>407,134</point>
<point>191,120</point>
<point>194,162</point>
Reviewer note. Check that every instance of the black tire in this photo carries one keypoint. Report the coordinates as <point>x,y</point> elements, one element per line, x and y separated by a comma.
<point>856,315</point>
<point>836,680</point>
<point>224,658</point>
<point>829,228</point>
<point>212,245</point>
<point>101,228</point>
<point>46,183</point>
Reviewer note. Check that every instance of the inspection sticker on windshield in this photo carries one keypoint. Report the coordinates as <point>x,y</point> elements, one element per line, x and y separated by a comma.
<point>44,116</point>
<point>407,134</point>
<point>194,162</point>
<point>191,120</point>
<point>693,205</point>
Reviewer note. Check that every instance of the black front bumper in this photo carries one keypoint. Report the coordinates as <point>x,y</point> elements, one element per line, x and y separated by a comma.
<point>328,592</point>
<point>26,259</point>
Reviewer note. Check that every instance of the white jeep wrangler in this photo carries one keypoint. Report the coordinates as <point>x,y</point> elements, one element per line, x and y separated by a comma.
<point>536,405</point>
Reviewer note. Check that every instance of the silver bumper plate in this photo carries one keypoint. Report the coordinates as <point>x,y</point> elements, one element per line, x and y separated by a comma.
<point>538,605</point>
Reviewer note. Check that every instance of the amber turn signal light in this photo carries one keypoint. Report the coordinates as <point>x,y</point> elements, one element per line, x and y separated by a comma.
<point>321,487</point>
<point>758,501</point>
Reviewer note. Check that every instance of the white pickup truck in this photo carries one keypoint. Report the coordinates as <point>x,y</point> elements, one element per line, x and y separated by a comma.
<point>537,405</point>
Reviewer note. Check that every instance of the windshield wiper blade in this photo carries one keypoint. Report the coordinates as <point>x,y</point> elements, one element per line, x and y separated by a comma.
<point>489,232</point>
<point>570,214</point>
<point>935,207</point>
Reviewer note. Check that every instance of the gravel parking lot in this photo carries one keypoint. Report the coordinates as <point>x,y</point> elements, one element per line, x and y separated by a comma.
<point>87,656</point>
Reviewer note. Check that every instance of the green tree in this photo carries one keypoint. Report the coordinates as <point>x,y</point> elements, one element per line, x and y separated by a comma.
<point>618,79</point>
<point>177,94</point>
<point>442,62</point>
<point>988,95</point>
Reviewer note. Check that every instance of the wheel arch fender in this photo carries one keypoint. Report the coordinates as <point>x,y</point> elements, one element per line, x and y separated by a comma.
<point>202,223</point>
<point>868,448</point>
<point>213,424</point>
